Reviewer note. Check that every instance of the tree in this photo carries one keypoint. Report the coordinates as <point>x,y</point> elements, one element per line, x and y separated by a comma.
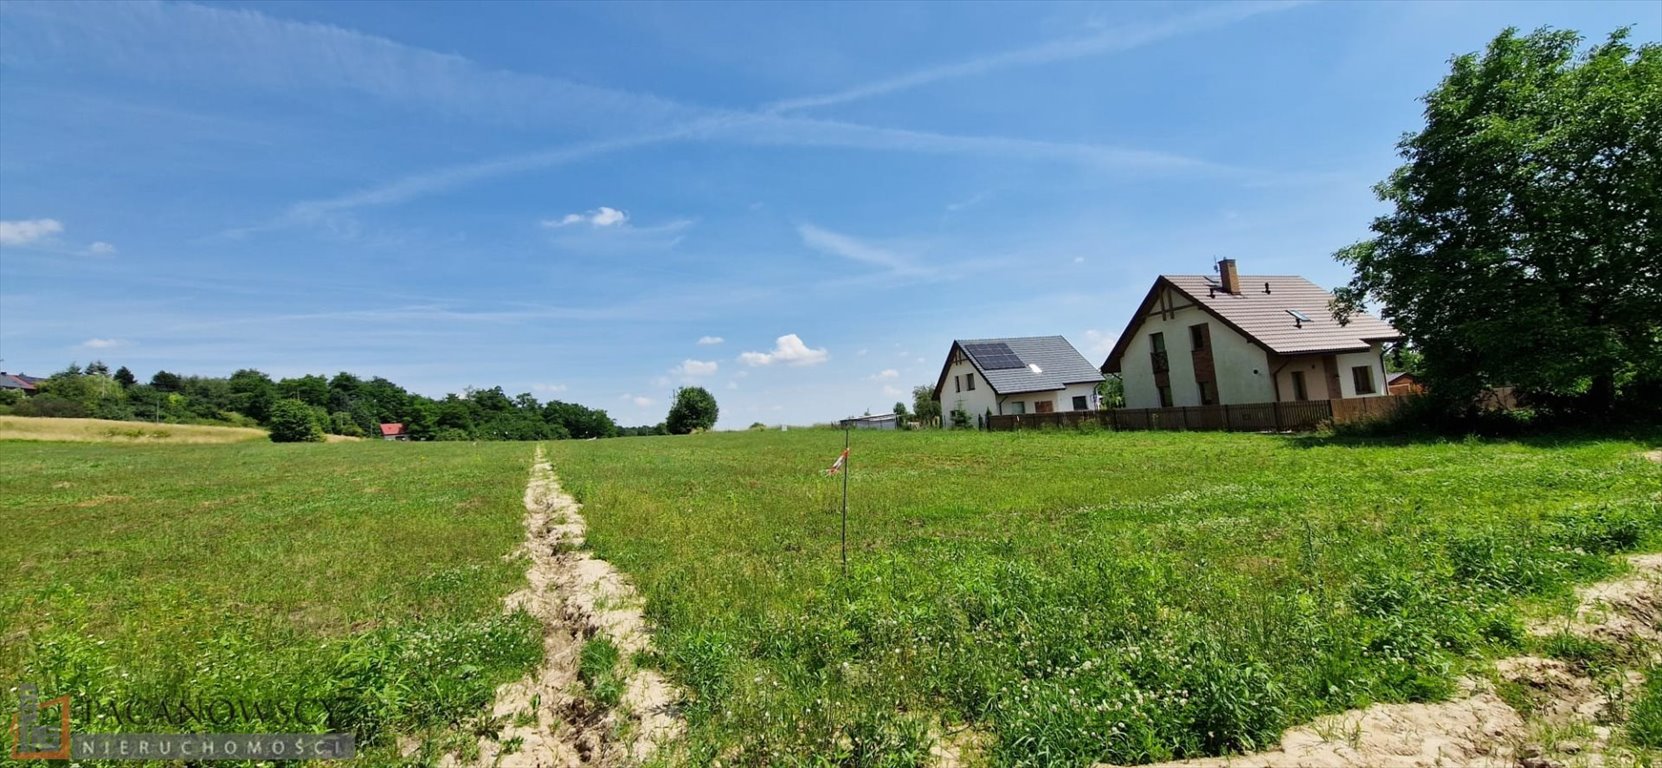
<point>1111,392</point>
<point>1524,246</point>
<point>125,377</point>
<point>694,408</point>
<point>252,394</point>
<point>292,422</point>
<point>164,381</point>
<point>925,407</point>
<point>310,389</point>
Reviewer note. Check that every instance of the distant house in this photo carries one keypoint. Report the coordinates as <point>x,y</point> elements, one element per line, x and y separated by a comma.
<point>1403,383</point>
<point>880,421</point>
<point>28,385</point>
<point>394,431</point>
<point>1200,340</point>
<point>1033,374</point>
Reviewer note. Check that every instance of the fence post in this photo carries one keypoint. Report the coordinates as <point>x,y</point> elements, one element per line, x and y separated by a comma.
<point>1228,426</point>
<point>1275,410</point>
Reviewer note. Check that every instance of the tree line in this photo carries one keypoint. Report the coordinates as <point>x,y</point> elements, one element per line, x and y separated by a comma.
<point>308,407</point>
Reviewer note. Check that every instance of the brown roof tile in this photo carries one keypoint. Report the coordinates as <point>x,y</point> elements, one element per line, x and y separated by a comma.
<point>1265,317</point>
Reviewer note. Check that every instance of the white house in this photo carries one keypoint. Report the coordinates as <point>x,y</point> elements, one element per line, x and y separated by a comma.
<point>880,421</point>
<point>1202,340</point>
<point>1035,374</point>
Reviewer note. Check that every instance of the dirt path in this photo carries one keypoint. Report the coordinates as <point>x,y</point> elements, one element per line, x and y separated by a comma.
<point>1564,721</point>
<point>546,719</point>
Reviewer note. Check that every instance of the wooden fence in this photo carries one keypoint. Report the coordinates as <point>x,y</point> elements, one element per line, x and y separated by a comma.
<point>1247,417</point>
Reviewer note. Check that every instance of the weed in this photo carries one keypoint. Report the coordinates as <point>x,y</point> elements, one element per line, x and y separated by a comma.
<point>597,667</point>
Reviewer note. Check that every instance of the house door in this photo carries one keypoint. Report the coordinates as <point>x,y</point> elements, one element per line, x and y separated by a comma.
<point>1299,392</point>
<point>1331,366</point>
<point>1044,406</point>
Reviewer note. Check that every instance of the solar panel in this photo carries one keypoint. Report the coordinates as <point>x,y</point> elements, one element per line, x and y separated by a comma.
<point>995,356</point>
<point>1299,316</point>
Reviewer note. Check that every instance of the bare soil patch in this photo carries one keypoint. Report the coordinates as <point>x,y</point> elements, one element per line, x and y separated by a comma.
<point>546,719</point>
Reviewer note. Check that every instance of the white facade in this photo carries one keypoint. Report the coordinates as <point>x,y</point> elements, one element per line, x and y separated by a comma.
<point>1241,367</point>
<point>966,390</point>
<point>1244,371</point>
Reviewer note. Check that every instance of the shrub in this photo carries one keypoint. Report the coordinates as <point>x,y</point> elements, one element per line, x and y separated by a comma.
<point>694,409</point>
<point>291,422</point>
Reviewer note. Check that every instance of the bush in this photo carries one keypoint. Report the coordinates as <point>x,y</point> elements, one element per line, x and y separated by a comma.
<point>694,409</point>
<point>292,422</point>
<point>51,406</point>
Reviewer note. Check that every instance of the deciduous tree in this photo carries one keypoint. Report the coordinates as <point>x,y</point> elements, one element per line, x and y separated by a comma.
<point>1524,245</point>
<point>694,408</point>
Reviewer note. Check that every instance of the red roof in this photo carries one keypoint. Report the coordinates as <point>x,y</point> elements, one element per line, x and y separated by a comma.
<point>392,430</point>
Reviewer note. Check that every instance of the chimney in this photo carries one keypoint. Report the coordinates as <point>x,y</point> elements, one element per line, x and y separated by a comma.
<point>1229,277</point>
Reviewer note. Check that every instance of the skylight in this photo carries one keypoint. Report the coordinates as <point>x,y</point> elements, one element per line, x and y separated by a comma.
<point>1299,316</point>
<point>1034,367</point>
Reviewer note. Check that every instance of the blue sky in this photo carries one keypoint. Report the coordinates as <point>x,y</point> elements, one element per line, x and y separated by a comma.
<point>796,206</point>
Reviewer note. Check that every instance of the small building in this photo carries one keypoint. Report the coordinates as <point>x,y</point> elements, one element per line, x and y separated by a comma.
<point>28,385</point>
<point>1403,383</point>
<point>880,421</point>
<point>1233,339</point>
<point>394,431</point>
<point>1033,374</point>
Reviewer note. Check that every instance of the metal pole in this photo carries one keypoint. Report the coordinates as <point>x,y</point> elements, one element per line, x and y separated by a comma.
<point>845,500</point>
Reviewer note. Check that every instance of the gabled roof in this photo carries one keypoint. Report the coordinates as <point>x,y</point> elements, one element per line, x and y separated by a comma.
<point>392,429</point>
<point>18,381</point>
<point>1266,319</point>
<point>1058,364</point>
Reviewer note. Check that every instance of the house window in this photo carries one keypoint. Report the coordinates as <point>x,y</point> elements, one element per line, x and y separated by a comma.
<point>957,384</point>
<point>1299,392</point>
<point>1044,406</point>
<point>1018,408</point>
<point>1363,376</point>
<point>969,381</point>
<point>1157,352</point>
<point>1208,392</point>
<point>1197,337</point>
<point>1165,397</point>
<point>1080,403</point>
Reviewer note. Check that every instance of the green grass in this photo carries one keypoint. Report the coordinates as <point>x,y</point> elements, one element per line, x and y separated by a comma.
<point>597,667</point>
<point>1081,597</point>
<point>1644,725</point>
<point>367,577</point>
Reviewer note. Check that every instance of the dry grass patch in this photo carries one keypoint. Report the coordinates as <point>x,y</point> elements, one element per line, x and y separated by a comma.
<point>104,431</point>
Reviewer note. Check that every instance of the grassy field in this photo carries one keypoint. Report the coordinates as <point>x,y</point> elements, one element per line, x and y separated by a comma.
<point>1081,597</point>
<point>1051,598</point>
<point>104,431</point>
<point>366,576</point>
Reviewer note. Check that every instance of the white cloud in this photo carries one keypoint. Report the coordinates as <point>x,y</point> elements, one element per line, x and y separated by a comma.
<point>837,244</point>
<point>697,368</point>
<point>887,373</point>
<point>603,216</point>
<point>101,248</point>
<point>641,402</point>
<point>554,388</point>
<point>1079,259</point>
<point>25,231</point>
<point>788,349</point>
<point>893,391</point>
<point>103,343</point>
<point>1108,41</point>
<point>1099,344</point>
<point>706,341</point>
